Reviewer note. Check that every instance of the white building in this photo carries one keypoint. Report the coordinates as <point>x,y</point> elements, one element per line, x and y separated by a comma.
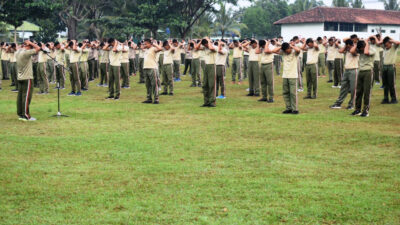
<point>340,22</point>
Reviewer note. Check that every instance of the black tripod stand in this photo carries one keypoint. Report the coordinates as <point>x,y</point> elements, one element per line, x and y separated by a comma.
<point>58,88</point>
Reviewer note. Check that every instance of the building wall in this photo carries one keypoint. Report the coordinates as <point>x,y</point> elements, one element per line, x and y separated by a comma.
<point>315,30</point>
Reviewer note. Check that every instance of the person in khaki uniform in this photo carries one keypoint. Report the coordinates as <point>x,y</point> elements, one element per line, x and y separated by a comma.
<point>13,66</point>
<point>74,68</point>
<point>150,66</point>
<point>338,71</point>
<point>290,54</point>
<point>377,59</point>
<point>267,72</point>
<point>196,66</point>
<point>132,58</point>
<point>5,60</point>
<point>236,61</point>
<point>313,52</point>
<point>349,80</point>
<point>177,59</point>
<point>321,56</point>
<point>209,73</point>
<point>42,70</point>
<point>125,66</point>
<point>115,53</point>
<point>365,77</point>
<point>59,64</point>
<point>104,64</point>
<point>390,48</point>
<point>25,79</point>
<point>50,63</point>
<point>142,51</point>
<point>253,49</point>
<point>330,59</point>
<point>83,65</point>
<point>167,72</point>
<point>220,62</point>
<point>300,69</point>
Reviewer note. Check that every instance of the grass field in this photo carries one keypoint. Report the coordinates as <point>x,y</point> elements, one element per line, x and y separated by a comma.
<point>177,163</point>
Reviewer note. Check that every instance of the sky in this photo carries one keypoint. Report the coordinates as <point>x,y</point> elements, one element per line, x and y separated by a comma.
<point>369,4</point>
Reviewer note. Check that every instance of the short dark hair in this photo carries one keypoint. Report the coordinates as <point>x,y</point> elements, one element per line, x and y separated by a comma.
<point>295,38</point>
<point>191,45</point>
<point>165,43</point>
<point>235,41</point>
<point>360,45</point>
<point>56,43</point>
<point>309,40</point>
<point>174,41</point>
<point>111,40</point>
<point>285,46</point>
<point>147,40</point>
<point>319,39</point>
<point>349,42</point>
<point>252,42</point>
<point>353,36</point>
<point>262,43</point>
<point>330,39</point>
<point>204,41</point>
<point>80,45</point>
<point>386,40</point>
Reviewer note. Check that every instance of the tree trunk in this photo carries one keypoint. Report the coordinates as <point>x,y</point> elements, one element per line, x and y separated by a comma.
<point>72,28</point>
<point>222,33</point>
<point>15,34</point>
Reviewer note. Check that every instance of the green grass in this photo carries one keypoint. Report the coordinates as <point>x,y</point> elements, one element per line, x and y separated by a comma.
<point>177,163</point>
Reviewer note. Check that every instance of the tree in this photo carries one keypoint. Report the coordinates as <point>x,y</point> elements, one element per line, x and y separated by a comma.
<point>260,17</point>
<point>340,3</point>
<point>357,4</point>
<point>300,5</point>
<point>391,4</point>
<point>14,13</point>
<point>203,26</point>
<point>226,20</point>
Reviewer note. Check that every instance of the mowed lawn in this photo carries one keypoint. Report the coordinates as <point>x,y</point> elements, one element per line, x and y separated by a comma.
<point>124,162</point>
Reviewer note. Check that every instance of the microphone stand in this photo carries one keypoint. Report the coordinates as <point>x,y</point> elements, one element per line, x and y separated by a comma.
<point>58,87</point>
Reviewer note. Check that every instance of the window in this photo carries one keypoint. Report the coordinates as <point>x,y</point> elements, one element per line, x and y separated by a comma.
<point>330,26</point>
<point>393,31</point>
<point>346,27</point>
<point>360,27</point>
<point>383,31</point>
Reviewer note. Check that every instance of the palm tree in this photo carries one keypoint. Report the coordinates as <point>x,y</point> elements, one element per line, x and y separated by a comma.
<point>226,20</point>
<point>340,3</point>
<point>357,4</point>
<point>391,4</point>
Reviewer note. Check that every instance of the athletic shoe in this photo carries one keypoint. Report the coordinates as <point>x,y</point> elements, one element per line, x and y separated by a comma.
<point>12,85</point>
<point>356,113</point>
<point>105,85</point>
<point>334,86</point>
<point>385,101</point>
<point>295,112</point>
<point>32,119</point>
<point>164,93</point>
<point>14,90</point>
<point>314,97</point>
<point>63,88</point>
<point>307,97</point>
<point>0,89</point>
<point>271,100</point>
<point>199,85</point>
<point>350,107</point>
<point>156,102</point>
<point>126,87</point>
<point>287,111</point>
<point>78,93</point>
<point>300,90</point>
<point>257,95</point>
<point>116,98</point>
<point>159,89</point>
<point>382,87</point>
<point>148,101</point>
<point>110,97</point>
<point>339,86</point>
<point>263,100</point>
<point>221,97</point>
<point>22,119</point>
<point>250,94</point>
<point>193,85</point>
<point>71,93</point>
<point>330,81</point>
<point>205,105</point>
<point>171,94</point>
<point>364,114</point>
<point>377,83</point>
<point>84,89</point>
<point>335,106</point>
<point>99,85</point>
<point>394,101</point>
<point>45,93</point>
<point>248,89</point>
<point>212,105</point>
